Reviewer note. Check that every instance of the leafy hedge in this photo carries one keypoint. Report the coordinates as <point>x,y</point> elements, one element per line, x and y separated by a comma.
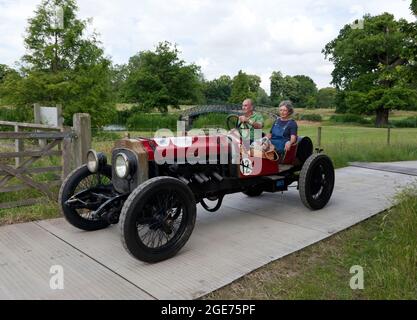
<point>410,122</point>
<point>144,121</point>
<point>211,120</point>
<point>349,118</point>
<point>19,114</point>
<point>310,117</point>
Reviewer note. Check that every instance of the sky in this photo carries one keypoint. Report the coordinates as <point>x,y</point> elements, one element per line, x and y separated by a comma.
<point>223,37</point>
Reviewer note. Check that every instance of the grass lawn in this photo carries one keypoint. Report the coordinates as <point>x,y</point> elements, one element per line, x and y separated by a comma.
<point>385,246</point>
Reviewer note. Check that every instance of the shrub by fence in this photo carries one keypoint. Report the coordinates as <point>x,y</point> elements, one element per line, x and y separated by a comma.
<point>148,122</point>
<point>15,114</point>
<point>309,117</point>
<point>349,118</point>
<point>410,122</point>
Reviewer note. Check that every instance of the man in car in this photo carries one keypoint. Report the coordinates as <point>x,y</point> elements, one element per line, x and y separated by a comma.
<point>250,120</point>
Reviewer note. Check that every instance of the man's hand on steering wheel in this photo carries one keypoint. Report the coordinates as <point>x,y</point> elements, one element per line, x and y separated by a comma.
<point>243,119</point>
<point>233,122</point>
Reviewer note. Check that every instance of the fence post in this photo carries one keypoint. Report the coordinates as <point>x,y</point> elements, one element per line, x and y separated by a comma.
<point>67,151</point>
<point>82,142</point>
<point>389,136</point>
<point>19,146</point>
<point>319,137</point>
<point>60,122</point>
<point>37,116</point>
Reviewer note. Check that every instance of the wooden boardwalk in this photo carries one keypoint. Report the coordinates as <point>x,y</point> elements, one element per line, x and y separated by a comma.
<point>244,235</point>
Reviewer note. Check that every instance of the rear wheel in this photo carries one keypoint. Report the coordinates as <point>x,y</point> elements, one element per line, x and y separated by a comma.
<point>316,181</point>
<point>157,219</point>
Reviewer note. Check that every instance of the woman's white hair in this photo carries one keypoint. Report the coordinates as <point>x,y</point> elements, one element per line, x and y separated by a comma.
<point>288,105</point>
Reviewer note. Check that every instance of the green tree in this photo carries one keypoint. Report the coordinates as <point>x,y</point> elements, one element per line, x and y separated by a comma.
<point>118,80</point>
<point>158,79</point>
<point>283,88</point>
<point>62,66</point>
<point>218,90</point>
<point>262,97</point>
<point>4,70</point>
<point>300,89</point>
<point>326,98</point>
<point>413,6</point>
<point>306,91</point>
<point>244,86</point>
<point>370,65</point>
<point>277,87</point>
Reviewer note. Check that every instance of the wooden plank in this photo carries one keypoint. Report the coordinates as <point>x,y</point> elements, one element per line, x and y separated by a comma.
<point>29,125</point>
<point>21,203</point>
<point>29,162</point>
<point>21,187</point>
<point>19,147</point>
<point>16,172</point>
<point>34,135</point>
<point>36,170</point>
<point>67,156</point>
<point>6,155</point>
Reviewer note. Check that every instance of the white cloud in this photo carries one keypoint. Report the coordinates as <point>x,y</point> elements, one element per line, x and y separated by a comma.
<point>257,36</point>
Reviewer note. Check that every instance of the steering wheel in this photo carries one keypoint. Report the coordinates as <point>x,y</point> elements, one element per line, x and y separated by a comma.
<point>232,122</point>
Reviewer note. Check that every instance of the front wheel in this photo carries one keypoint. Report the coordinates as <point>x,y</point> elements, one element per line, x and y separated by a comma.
<point>316,181</point>
<point>157,219</point>
<point>79,197</point>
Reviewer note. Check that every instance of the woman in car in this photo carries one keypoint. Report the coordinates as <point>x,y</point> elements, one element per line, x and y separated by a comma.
<point>283,133</point>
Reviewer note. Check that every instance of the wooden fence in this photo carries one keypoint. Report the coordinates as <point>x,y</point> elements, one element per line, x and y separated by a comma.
<point>22,165</point>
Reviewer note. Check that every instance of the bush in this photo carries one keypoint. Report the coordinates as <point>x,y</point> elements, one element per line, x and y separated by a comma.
<point>310,117</point>
<point>16,114</point>
<point>210,120</point>
<point>410,122</point>
<point>349,118</point>
<point>152,122</point>
<point>100,135</point>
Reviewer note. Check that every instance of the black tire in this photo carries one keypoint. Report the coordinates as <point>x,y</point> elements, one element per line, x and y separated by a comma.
<point>316,181</point>
<point>253,192</point>
<point>157,205</point>
<point>69,187</point>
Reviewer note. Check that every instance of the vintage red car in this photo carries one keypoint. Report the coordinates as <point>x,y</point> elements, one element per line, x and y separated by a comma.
<point>154,185</point>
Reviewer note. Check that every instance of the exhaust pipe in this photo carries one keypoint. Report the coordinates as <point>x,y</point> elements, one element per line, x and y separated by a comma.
<point>198,178</point>
<point>204,177</point>
<point>217,176</point>
<point>183,179</point>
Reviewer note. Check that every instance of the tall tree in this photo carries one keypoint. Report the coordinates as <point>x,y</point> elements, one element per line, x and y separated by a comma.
<point>300,89</point>
<point>413,7</point>
<point>306,91</point>
<point>4,70</point>
<point>370,64</point>
<point>244,86</point>
<point>62,65</point>
<point>119,75</point>
<point>326,98</point>
<point>277,87</point>
<point>158,79</point>
<point>218,90</point>
<point>262,97</point>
